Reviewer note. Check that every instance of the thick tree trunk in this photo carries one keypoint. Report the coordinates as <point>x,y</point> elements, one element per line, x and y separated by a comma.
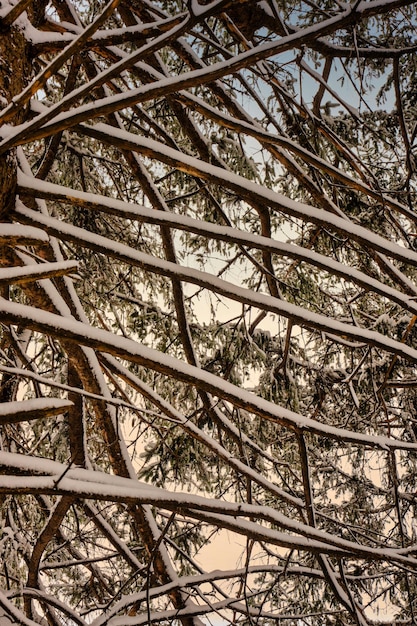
<point>13,52</point>
<point>16,70</point>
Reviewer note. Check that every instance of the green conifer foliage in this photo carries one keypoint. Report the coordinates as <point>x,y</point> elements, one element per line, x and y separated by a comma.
<point>208,306</point>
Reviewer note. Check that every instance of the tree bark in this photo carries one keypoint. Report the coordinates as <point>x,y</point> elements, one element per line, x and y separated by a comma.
<point>16,70</point>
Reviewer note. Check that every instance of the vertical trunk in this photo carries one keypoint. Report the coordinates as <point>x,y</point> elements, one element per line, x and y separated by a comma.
<point>15,67</point>
<point>15,70</point>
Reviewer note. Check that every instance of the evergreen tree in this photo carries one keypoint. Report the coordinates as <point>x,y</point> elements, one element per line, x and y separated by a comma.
<point>208,311</point>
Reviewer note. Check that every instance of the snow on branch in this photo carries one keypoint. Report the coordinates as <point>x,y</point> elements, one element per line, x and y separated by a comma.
<point>26,410</point>
<point>79,332</point>
<point>208,306</point>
